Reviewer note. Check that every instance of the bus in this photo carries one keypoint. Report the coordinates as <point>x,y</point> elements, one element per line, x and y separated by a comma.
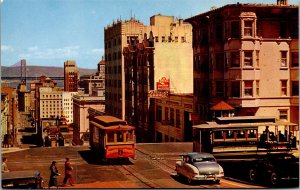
<point>111,137</point>
<point>244,134</point>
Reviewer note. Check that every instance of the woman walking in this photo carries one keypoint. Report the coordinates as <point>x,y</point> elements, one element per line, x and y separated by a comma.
<point>53,175</point>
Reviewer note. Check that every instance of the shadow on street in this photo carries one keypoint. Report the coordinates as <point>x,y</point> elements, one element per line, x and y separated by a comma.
<point>95,159</point>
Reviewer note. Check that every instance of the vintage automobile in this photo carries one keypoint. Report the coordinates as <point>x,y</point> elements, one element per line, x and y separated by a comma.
<point>199,166</point>
<point>27,179</point>
<point>275,168</point>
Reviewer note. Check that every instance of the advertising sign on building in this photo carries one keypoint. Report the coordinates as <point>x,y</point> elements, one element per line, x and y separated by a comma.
<point>163,88</point>
<point>163,84</point>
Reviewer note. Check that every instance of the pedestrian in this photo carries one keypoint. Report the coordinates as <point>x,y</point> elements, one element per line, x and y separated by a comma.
<point>68,173</point>
<point>4,165</point>
<point>53,175</point>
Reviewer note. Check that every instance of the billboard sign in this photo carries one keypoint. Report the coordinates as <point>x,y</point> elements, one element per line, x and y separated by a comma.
<point>163,84</point>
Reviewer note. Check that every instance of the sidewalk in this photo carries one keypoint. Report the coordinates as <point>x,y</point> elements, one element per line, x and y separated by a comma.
<point>12,149</point>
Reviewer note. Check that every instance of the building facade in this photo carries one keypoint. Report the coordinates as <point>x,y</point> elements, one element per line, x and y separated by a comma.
<point>173,118</point>
<point>81,104</point>
<point>94,84</point>
<point>247,55</point>
<point>50,101</point>
<point>71,75</point>
<point>116,37</point>
<point>67,106</point>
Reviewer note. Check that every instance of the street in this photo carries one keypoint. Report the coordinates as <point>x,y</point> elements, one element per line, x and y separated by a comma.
<point>153,167</point>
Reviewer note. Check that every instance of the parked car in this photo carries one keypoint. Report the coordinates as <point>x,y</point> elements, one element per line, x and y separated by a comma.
<point>199,166</point>
<point>27,179</point>
<point>275,168</point>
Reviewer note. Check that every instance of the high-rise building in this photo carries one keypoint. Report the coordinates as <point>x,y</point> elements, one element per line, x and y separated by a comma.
<point>71,74</point>
<point>247,55</point>
<point>116,37</point>
<point>163,55</point>
<point>67,106</point>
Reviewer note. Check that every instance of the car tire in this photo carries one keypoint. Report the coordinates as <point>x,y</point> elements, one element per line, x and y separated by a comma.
<point>252,175</point>
<point>189,180</point>
<point>217,181</point>
<point>274,179</point>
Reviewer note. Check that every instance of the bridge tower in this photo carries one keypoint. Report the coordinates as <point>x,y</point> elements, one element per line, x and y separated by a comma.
<point>23,70</point>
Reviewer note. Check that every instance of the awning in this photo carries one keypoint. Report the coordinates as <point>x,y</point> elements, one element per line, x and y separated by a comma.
<point>221,106</point>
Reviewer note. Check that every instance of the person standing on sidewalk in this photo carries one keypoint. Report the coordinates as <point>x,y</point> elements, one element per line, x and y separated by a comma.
<point>53,175</point>
<point>4,165</point>
<point>68,173</point>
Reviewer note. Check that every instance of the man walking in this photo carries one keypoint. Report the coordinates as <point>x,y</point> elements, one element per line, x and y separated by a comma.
<point>68,173</point>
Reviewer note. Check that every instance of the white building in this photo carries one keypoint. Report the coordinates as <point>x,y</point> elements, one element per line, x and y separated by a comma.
<point>67,105</point>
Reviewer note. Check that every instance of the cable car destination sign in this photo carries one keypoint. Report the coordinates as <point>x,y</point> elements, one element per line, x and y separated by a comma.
<point>163,88</point>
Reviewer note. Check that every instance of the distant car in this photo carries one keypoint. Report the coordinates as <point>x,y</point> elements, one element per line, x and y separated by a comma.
<point>199,166</point>
<point>275,168</point>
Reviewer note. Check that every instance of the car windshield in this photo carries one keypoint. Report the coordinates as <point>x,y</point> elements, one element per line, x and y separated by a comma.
<point>209,159</point>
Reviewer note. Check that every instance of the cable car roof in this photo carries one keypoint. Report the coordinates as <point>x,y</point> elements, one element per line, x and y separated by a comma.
<point>113,127</point>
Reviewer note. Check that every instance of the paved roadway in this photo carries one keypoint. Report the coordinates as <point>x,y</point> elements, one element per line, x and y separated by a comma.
<point>153,167</point>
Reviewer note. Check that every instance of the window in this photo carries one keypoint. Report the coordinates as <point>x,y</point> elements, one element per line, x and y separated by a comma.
<point>235,29</point>
<point>295,88</point>
<point>257,58</point>
<point>120,136</point>
<point>295,59</point>
<point>163,39</point>
<point>220,61</point>
<point>166,113</point>
<point>182,39</point>
<point>110,137</point>
<point>219,89</point>
<point>176,38</point>
<point>283,87</point>
<point>283,58</point>
<point>257,87</point>
<point>169,39</point>
<point>177,119</point>
<point>235,89</point>
<point>158,113</point>
<point>283,114</point>
<point>248,88</point>
<point>172,116</point>
<point>235,59</point>
<point>248,58</point>
<point>248,28</point>
<point>156,39</point>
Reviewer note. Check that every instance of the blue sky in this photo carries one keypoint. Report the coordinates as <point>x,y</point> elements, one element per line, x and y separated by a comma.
<point>49,32</point>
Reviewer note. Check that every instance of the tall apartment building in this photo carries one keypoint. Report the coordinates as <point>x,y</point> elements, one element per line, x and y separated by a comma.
<point>50,100</point>
<point>71,74</point>
<point>67,106</point>
<point>247,55</point>
<point>116,37</point>
<point>166,54</point>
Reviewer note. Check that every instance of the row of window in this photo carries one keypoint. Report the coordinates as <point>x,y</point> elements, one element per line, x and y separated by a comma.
<point>51,105</point>
<point>171,116</point>
<point>113,69</point>
<point>170,39</point>
<point>249,58</point>
<point>113,42</point>
<point>113,56</point>
<point>51,96</point>
<point>113,83</point>
<point>244,28</point>
<point>250,88</point>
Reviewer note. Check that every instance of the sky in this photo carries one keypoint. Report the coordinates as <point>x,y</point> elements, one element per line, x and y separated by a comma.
<point>49,32</point>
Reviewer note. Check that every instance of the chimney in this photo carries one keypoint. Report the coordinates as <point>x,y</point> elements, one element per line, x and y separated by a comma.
<point>282,2</point>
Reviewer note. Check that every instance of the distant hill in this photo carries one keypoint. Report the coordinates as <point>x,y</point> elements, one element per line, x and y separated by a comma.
<point>36,71</point>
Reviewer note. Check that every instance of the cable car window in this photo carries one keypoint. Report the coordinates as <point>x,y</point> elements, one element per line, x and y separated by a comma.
<point>129,136</point>
<point>251,133</point>
<point>110,137</point>
<point>219,135</point>
<point>120,136</point>
<point>241,134</point>
<point>230,134</point>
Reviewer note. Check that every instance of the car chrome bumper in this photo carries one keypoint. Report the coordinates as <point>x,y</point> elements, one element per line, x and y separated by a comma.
<point>208,177</point>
